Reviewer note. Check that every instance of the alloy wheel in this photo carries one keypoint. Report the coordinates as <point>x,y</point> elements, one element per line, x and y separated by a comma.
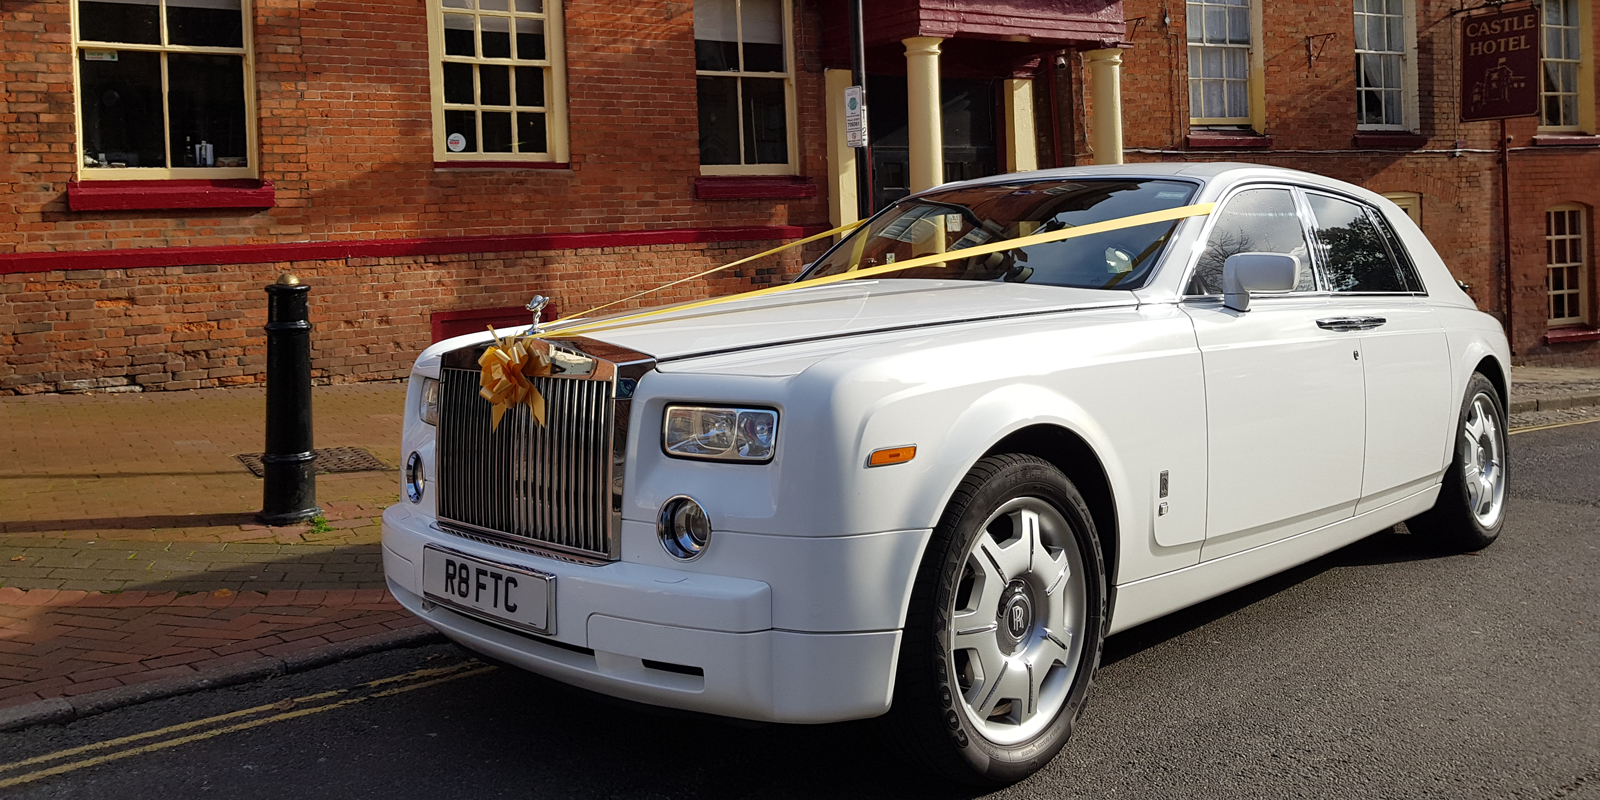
<point>1016,630</point>
<point>1483,467</point>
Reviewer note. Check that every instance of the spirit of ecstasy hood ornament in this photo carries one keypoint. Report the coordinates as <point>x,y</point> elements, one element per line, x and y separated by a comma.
<point>536,305</point>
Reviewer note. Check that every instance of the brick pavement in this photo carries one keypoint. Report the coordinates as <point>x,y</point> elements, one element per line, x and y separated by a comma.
<point>128,552</point>
<point>128,549</point>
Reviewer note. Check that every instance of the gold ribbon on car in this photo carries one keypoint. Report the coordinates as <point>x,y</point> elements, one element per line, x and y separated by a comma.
<point>509,363</point>
<point>507,369</point>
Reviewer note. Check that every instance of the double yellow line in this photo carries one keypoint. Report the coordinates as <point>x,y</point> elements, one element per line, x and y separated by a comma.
<point>105,752</point>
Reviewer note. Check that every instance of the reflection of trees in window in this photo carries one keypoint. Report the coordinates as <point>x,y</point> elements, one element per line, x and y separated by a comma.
<point>1254,221</point>
<point>1208,273</point>
<point>1354,257</point>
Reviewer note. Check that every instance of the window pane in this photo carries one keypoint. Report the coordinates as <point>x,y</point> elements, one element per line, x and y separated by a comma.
<point>1354,258</point>
<point>205,106</point>
<point>121,108</point>
<point>530,39</point>
<point>766,131</point>
<point>132,21</point>
<point>214,23</point>
<point>458,37</point>
<point>719,120</point>
<point>1215,104</point>
<point>494,88</point>
<point>458,3</point>
<point>531,132</point>
<point>1211,62</point>
<point>1238,102</point>
<point>763,35</point>
<point>1216,24</point>
<point>1239,25</point>
<point>530,6</point>
<point>1237,63</point>
<point>497,131</point>
<point>458,83</point>
<point>1361,32</point>
<point>496,39</point>
<point>716,35</point>
<point>1254,221</point>
<point>1194,14</point>
<point>464,123</point>
<point>530,87</point>
<point>494,5</point>
<point>1396,41</point>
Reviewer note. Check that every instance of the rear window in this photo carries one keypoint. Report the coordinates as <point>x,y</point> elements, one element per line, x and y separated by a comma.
<point>1356,252</point>
<point>953,220</point>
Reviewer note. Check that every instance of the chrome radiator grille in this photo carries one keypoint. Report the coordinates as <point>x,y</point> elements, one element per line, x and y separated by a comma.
<point>548,486</point>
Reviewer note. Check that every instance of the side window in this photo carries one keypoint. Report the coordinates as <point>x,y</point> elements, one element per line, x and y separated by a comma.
<point>1351,244</point>
<point>1254,221</point>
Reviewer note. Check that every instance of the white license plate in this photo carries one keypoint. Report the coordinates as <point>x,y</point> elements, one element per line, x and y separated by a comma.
<point>512,595</point>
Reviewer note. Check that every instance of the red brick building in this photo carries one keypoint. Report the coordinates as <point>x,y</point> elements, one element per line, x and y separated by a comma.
<point>427,166</point>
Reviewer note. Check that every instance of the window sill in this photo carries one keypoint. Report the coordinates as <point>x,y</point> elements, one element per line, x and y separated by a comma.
<point>1390,140</point>
<point>1566,140</point>
<point>171,194</point>
<point>1224,140</point>
<point>452,166</point>
<point>1563,335</point>
<point>753,187</point>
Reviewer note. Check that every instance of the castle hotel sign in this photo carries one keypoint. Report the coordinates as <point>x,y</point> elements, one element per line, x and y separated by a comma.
<point>1500,65</point>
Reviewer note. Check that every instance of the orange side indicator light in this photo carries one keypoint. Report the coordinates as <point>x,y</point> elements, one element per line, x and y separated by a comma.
<point>891,455</point>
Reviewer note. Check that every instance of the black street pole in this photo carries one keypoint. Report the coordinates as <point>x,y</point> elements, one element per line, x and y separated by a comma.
<point>289,488</point>
<point>858,76</point>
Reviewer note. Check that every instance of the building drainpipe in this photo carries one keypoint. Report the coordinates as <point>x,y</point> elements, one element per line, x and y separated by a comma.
<point>923,122</point>
<point>1505,232</point>
<point>1105,90</point>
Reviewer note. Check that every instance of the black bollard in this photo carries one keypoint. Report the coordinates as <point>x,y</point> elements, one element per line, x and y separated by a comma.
<point>289,488</point>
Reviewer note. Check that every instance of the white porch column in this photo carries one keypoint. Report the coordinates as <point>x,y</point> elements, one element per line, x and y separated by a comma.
<point>1021,146</point>
<point>1105,93</point>
<point>843,207</point>
<point>924,126</point>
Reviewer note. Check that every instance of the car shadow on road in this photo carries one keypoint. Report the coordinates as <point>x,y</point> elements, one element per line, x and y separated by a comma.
<point>1393,546</point>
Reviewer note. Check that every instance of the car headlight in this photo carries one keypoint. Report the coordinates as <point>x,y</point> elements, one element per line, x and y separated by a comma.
<point>428,409</point>
<point>720,434</point>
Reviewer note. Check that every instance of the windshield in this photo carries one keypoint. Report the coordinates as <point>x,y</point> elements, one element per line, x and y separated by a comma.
<point>952,220</point>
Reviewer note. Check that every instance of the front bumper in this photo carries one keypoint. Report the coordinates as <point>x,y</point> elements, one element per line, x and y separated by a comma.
<point>616,624</point>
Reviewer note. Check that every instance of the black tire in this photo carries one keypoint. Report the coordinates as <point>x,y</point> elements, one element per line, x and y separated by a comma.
<point>1451,525</point>
<point>928,717</point>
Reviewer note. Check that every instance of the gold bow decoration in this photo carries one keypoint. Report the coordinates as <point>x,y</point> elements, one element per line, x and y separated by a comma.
<point>507,367</point>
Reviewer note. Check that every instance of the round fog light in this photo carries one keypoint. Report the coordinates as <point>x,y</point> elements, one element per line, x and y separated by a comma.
<point>684,528</point>
<point>415,481</point>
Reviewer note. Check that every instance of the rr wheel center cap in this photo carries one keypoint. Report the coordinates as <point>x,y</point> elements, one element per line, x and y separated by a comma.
<point>1016,616</point>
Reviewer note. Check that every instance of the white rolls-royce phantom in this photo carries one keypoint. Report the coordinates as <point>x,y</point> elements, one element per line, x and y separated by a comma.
<point>928,494</point>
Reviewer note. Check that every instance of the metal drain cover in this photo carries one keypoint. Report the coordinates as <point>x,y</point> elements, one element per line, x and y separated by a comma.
<point>329,459</point>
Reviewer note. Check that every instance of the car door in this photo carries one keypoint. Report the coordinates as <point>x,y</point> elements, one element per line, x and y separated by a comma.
<point>1284,396</point>
<point>1378,301</point>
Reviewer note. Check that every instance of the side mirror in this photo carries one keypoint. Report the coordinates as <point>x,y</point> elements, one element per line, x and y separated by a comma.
<point>1244,273</point>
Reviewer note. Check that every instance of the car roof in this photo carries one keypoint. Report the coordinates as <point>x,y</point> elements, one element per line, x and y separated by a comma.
<point>1212,172</point>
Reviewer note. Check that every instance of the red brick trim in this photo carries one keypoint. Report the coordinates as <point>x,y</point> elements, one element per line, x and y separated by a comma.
<point>1562,335</point>
<point>743,187</point>
<point>441,321</point>
<point>1566,140</point>
<point>1224,140</point>
<point>1390,141</point>
<point>149,195</point>
<point>134,258</point>
<point>454,165</point>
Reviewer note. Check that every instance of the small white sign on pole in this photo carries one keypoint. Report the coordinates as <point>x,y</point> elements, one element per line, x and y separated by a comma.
<point>855,117</point>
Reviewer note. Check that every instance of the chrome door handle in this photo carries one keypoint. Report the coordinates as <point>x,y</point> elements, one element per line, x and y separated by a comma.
<point>1350,323</point>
